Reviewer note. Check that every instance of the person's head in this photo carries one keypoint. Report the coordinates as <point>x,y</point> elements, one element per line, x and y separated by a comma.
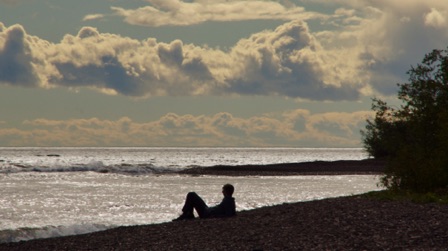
<point>227,190</point>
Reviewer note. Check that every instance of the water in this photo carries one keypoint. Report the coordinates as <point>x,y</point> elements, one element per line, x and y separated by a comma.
<point>62,191</point>
<point>150,160</point>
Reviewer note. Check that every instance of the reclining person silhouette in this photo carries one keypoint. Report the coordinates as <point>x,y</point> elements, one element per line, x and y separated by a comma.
<point>193,201</point>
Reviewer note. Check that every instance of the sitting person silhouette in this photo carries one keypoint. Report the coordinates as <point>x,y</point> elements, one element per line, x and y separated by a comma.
<point>226,208</point>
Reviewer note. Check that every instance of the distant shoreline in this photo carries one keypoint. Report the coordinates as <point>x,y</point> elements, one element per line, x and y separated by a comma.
<point>339,167</point>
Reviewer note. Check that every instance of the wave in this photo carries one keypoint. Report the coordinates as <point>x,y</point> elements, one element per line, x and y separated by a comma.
<point>23,234</point>
<point>96,166</point>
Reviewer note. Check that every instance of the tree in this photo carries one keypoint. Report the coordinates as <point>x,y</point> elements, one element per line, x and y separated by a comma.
<point>414,137</point>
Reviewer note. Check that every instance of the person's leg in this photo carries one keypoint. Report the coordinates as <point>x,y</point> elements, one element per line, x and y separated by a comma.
<point>193,201</point>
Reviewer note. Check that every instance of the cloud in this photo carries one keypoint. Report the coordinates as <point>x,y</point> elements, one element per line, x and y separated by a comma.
<point>16,61</point>
<point>93,17</point>
<point>221,129</point>
<point>180,13</point>
<point>436,19</point>
<point>363,48</point>
<point>287,61</point>
<point>387,36</point>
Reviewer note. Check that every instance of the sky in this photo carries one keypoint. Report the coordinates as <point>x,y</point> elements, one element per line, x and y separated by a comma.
<point>205,73</point>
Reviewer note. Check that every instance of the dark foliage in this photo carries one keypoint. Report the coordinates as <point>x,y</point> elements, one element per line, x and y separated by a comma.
<point>414,137</point>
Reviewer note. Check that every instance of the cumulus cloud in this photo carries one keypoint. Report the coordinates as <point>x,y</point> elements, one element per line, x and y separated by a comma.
<point>363,47</point>
<point>387,36</point>
<point>16,60</point>
<point>221,129</point>
<point>181,13</point>
<point>288,61</point>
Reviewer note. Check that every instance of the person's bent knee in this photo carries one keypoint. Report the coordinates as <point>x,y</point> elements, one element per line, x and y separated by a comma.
<point>192,194</point>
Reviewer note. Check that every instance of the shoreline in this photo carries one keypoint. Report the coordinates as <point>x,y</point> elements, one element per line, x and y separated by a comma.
<point>338,167</point>
<point>343,223</point>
